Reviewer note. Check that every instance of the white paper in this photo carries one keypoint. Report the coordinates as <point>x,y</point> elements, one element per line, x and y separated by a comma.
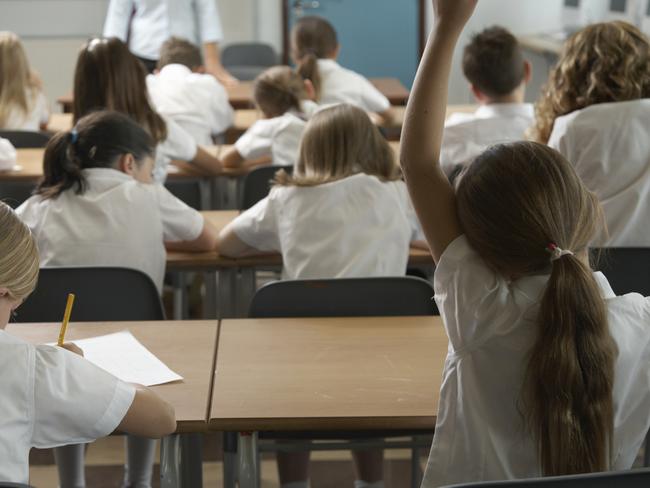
<point>125,357</point>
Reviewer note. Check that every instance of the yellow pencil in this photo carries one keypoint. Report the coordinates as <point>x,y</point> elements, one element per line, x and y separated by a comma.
<point>66,318</point>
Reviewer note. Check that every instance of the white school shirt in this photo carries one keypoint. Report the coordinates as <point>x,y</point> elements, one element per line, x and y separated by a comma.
<point>340,85</point>
<point>197,102</point>
<point>491,324</point>
<point>155,21</point>
<point>468,135</point>
<point>358,226</point>
<point>177,145</point>
<point>51,397</point>
<point>277,137</point>
<point>8,155</point>
<point>37,114</point>
<point>117,221</point>
<point>609,147</point>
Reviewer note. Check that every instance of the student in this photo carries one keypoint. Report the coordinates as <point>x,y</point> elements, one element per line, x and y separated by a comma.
<point>494,65</point>
<point>181,91</point>
<point>284,99</point>
<point>23,105</point>
<point>109,77</point>
<point>596,112</point>
<point>548,372</point>
<point>314,48</point>
<point>52,396</point>
<point>94,207</point>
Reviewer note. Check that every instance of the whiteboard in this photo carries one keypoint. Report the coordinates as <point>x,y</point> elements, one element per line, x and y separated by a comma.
<point>53,18</point>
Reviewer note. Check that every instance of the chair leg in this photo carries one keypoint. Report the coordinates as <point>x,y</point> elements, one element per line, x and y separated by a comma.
<point>416,472</point>
<point>229,459</point>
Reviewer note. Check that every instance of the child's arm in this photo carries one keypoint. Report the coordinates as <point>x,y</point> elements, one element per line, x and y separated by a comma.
<point>231,158</point>
<point>206,241</point>
<point>207,161</point>
<point>431,193</point>
<point>230,245</point>
<point>148,416</point>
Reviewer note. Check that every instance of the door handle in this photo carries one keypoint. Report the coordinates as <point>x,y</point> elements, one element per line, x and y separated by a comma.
<point>300,5</point>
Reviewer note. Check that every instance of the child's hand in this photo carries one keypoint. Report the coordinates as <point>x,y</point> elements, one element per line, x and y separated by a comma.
<point>454,12</point>
<point>73,348</point>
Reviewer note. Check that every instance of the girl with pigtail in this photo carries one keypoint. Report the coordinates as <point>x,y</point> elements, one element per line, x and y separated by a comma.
<point>548,371</point>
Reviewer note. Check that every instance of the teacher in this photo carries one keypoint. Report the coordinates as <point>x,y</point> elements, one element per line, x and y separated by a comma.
<point>147,24</point>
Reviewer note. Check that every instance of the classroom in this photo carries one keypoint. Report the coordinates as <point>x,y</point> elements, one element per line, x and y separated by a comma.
<point>323,244</point>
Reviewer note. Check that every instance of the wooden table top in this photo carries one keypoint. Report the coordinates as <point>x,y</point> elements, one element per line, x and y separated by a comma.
<point>328,373</point>
<point>187,347</point>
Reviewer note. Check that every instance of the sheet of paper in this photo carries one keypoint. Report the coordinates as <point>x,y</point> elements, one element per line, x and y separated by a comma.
<point>122,355</point>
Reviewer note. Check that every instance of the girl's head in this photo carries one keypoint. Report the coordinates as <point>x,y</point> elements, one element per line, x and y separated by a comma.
<point>18,262</point>
<point>313,38</point>
<point>109,77</point>
<point>99,140</point>
<point>15,76</point>
<point>515,203</point>
<point>338,142</point>
<point>602,63</point>
<point>278,90</point>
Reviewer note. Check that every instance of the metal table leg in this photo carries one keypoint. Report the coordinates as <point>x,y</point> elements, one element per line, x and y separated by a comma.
<point>248,467</point>
<point>181,461</point>
<point>210,302</point>
<point>229,459</point>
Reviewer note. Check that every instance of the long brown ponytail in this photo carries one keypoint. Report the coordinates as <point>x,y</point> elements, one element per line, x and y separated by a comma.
<point>514,201</point>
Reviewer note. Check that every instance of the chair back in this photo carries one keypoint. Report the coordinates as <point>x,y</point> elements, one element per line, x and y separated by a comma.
<point>344,297</point>
<point>187,191</point>
<point>21,139</point>
<point>101,294</point>
<point>14,193</point>
<point>635,478</point>
<point>6,484</point>
<point>257,184</point>
<point>627,268</point>
<point>246,61</point>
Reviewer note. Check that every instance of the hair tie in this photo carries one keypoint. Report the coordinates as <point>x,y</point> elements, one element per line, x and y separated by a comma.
<point>556,253</point>
<point>74,136</point>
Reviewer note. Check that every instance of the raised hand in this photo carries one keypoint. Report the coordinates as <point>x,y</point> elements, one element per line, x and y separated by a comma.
<point>454,12</point>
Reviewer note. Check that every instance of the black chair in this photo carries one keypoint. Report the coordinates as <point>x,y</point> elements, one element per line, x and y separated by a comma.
<point>636,478</point>
<point>6,484</point>
<point>257,184</point>
<point>627,268</point>
<point>26,138</point>
<point>101,294</point>
<point>188,191</point>
<point>246,61</point>
<point>14,193</point>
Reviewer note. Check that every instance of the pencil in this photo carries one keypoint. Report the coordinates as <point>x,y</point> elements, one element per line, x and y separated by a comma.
<point>66,318</point>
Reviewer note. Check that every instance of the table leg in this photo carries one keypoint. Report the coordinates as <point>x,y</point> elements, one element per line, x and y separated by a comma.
<point>205,188</point>
<point>227,292</point>
<point>248,467</point>
<point>210,305</point>
<point>229,459</point>
<point>181,461</point>
<point>245,291</point>
<point>646,453</point>
<point>180,295</point>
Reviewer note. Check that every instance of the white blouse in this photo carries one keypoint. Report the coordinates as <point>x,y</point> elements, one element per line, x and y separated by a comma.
<point>177,145</point>
<point>37,115</point>
<point>491,324</point>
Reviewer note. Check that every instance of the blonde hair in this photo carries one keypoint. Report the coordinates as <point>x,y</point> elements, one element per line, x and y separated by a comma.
<point>514,201</point>
<point>18,255</point>
<point>18,87</point>
<point>278,90</point>
<point>608,62</point>
<point>338,142</point>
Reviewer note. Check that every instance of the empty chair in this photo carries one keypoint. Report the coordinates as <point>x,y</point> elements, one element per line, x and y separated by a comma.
<point>247,60</point>
<point>102,294</point>
<point>257,184</point>
<point>25,138</point>
<point>620,479</point>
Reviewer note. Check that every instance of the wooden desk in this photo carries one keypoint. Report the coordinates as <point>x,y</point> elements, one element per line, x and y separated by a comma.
<point>328,374</point>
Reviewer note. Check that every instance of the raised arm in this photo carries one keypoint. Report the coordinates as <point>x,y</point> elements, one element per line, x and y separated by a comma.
<point>432,195</point>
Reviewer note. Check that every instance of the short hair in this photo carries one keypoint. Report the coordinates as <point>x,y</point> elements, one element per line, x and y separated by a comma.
<point>180,51</point>
<point>493,62</point>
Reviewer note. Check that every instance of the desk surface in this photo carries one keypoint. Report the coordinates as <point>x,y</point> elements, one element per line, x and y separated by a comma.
<point>328,374</point>
<point>187,347</point>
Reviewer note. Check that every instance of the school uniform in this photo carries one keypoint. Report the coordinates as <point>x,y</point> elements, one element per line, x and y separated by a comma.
<point>609,148</point>
<point>491,324</point>
<point>117,221</point>
<point>277,137</point>
<point>8,155</point>
<point>468,135</point>
<point>38,113</point>
<point>52,397</point>
<point>197,102</point>
<point>354,227</point>
<point>177,145</point>
<point>340,85</point>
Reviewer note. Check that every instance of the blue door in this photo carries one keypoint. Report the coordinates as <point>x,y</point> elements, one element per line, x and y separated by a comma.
<point>378,38</point>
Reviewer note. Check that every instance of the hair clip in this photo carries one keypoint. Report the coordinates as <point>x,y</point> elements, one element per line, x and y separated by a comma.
<point>92,152</point>
<point>74,136</point>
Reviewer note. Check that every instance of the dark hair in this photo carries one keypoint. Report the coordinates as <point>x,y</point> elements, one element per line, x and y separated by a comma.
<point>176,50</point>
<point>109,77</point>
<point>312,38</point>
<point>96,141</point>
<point>278,90</point>
<point>493,62</point>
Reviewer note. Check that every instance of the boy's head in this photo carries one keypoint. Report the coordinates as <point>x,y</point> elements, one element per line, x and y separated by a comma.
<point>313,35</point>
<point>180,51</point>
<point>494,64</point>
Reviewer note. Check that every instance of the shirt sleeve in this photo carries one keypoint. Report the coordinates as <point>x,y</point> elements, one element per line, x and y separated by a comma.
<point>74,400</point>
<point>180,221</point>
<point>373,100</point>
<point>221,113</point>
<point>7,155</point>
<point>117,19</point>
<point>209,22</point>
<point>258,226</point>
<point>257,141</point>
<point>178,144</point>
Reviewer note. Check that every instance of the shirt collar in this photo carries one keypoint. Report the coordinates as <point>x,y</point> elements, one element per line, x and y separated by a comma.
<point>175,70</point>
<point>105,174</point>
<point>492,110</point>
<point>327,64</point>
